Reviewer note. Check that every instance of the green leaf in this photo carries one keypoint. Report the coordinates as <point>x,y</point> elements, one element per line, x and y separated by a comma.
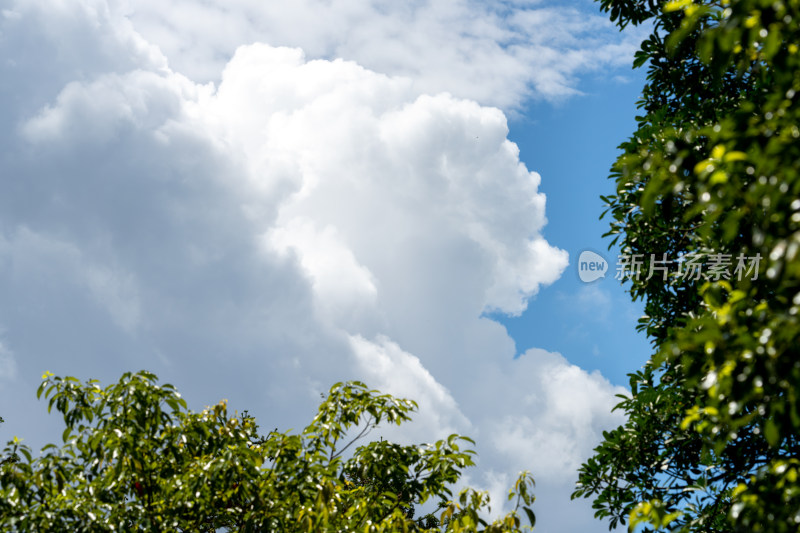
<point>771,432</point>
<point>531,516</point>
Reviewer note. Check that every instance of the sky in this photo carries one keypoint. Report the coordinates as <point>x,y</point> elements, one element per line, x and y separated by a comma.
<point>255,200</point>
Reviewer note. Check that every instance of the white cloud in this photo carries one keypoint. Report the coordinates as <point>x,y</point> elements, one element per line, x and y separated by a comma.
<point>341,285</point>
<point>301,223</point>
<point>495,52</point>
<point>389,369</point>
<point>8,366</point>
<point>556,423</point>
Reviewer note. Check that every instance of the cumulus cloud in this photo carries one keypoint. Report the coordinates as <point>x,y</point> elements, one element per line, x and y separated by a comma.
<point>563,410</point>
<point>495,52</point>
<point>304,221</point>
<point>394,371</point>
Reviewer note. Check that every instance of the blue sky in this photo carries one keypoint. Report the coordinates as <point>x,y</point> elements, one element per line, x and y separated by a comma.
<point>255,200</point>
<point>572,145</point>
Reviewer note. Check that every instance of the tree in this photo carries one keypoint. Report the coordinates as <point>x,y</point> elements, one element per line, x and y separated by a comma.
<point>135,458</point>
<point>6,459</point>
<point>711,176</point>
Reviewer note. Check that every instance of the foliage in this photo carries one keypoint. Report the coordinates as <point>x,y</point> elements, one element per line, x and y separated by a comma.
<point>6,459</point>
<point>712,172</point>
<point>135,458</point>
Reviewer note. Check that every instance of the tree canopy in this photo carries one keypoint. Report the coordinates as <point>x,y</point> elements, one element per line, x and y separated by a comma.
<point>134,458</point>
<point>710,178</point>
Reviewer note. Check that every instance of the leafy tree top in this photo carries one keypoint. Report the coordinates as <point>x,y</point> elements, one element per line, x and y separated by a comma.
<point>135,458</point>
<point>712,171</point>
